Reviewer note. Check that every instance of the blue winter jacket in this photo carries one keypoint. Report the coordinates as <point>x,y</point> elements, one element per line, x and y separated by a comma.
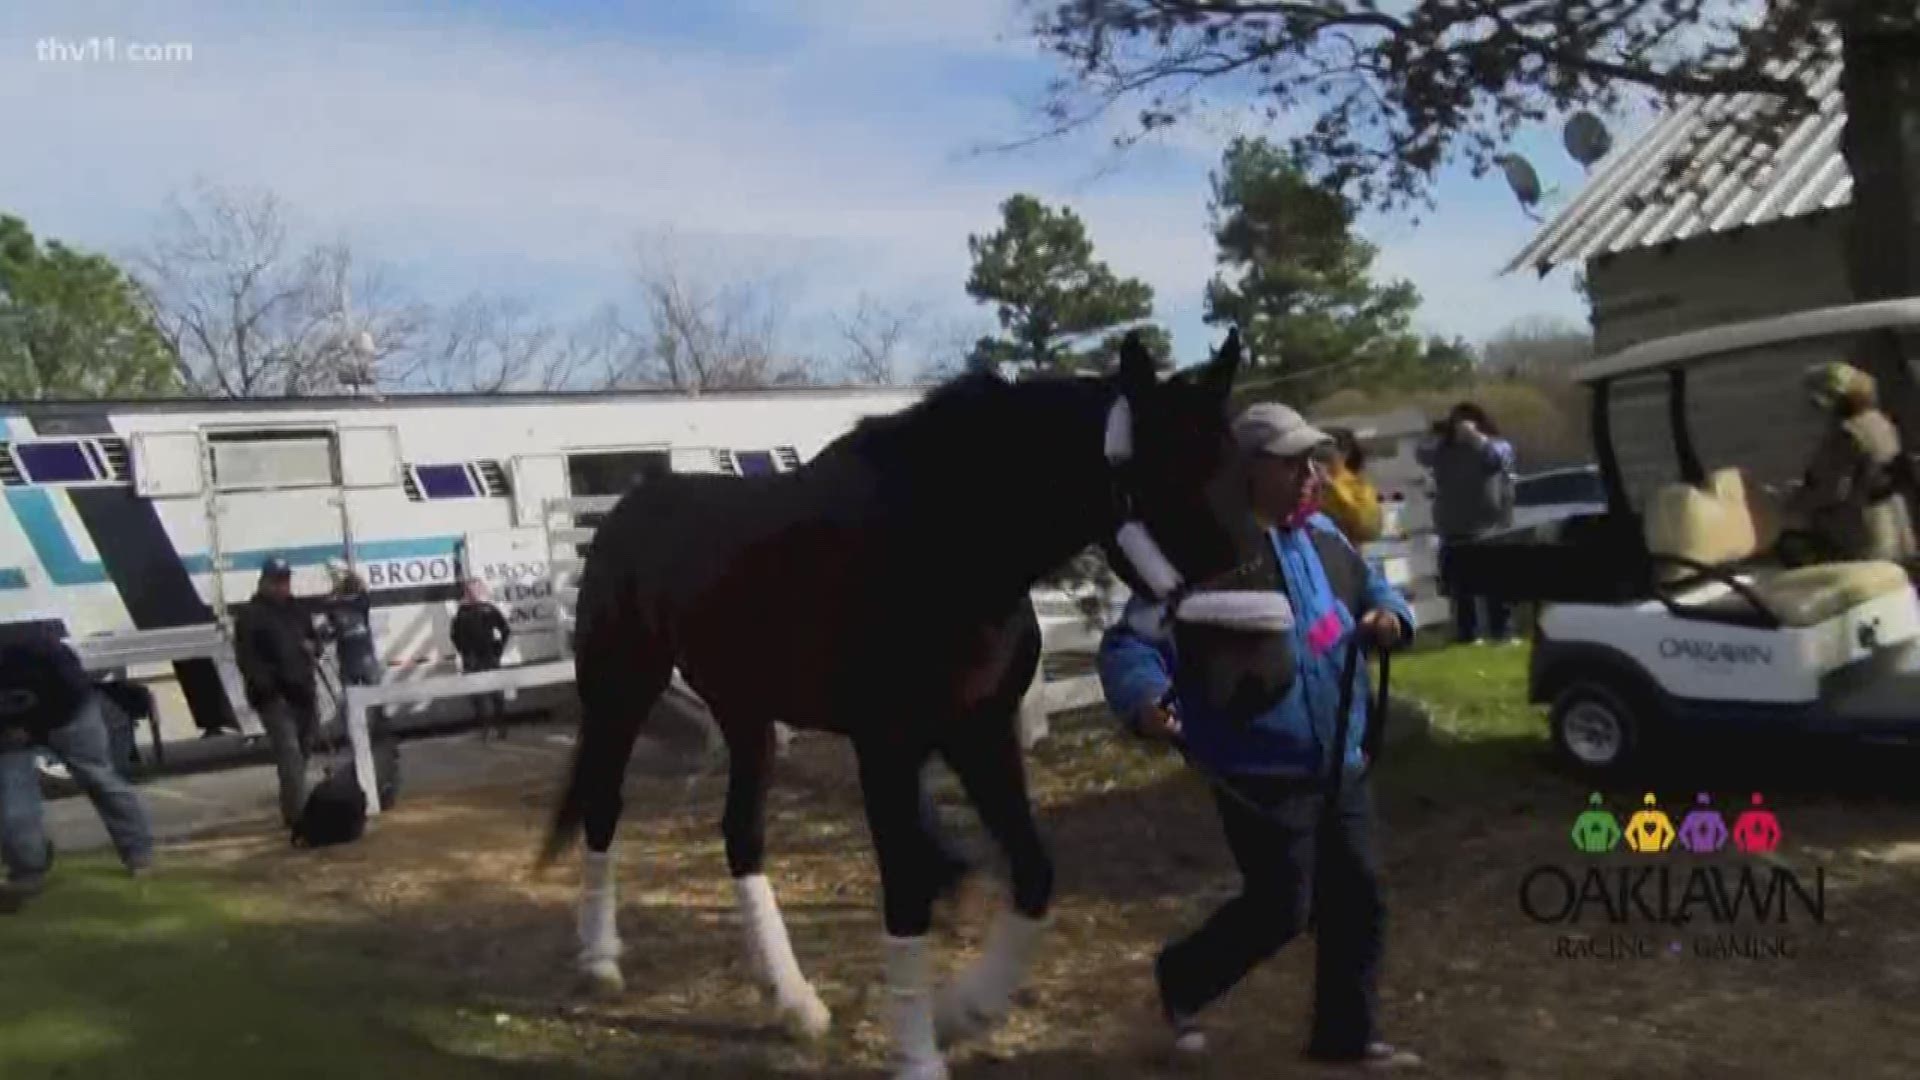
<point>1295,737</point>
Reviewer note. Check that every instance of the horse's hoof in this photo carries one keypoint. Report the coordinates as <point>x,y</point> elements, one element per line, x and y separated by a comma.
<point>957,1016</point>
<point>934,1069</point>
<point>603,977</point>
<point>808,1018</point>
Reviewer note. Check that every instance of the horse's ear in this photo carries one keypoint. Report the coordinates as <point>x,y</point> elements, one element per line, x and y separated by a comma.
<point>1136,373</point>
<point>1217,377</point>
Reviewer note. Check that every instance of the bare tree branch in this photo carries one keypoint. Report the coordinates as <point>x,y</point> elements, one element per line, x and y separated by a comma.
<point>246,316</point>
<point>703,330</point>
<point>873,335</point>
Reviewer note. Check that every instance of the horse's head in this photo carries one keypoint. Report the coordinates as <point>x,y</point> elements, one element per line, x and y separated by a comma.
<point>1187,536</point>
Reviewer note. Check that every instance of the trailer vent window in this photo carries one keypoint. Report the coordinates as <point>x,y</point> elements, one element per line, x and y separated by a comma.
<point>493,479</point>
<point>444,481</point>
<point>64,461</point>
<point>271,459</point>
<point>789,458</point>
<point>755,462</point>
<point>455,480</point>
<point>118,462</point>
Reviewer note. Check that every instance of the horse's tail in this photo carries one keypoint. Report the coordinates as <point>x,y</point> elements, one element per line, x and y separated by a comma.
<point>623,659</point>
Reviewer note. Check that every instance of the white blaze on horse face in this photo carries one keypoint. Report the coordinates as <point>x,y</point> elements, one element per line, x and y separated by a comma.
<point>915,1052</point>
<point>771,953</point>
<point>983,994</point>
<point>599,934</point>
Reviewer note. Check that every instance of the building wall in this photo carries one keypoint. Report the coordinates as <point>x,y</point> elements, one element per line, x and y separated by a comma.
<point>1748,412</point>
<point>1706,281</point>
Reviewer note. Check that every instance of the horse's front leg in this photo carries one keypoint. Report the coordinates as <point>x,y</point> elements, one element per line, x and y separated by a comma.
<point>910,877</point>
<point>744,824</point>
<point>984,752</point>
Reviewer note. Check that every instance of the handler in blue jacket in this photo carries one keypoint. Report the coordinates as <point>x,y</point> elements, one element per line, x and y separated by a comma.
<point>1290,859</point>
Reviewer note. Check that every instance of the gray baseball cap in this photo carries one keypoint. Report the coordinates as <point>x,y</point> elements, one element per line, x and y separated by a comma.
<point>1268,427</point>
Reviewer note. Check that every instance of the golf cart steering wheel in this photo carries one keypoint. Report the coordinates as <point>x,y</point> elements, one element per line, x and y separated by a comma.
<point>1795,548</point>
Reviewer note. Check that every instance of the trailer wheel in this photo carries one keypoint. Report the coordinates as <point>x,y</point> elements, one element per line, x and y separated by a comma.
<point>1596,728</point>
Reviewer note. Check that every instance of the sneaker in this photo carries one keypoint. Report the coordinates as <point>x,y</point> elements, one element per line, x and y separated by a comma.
<point>15,894</point>
<point>1189,1038</point>
<point>1381,1055</point>
<point>1377,1055</point>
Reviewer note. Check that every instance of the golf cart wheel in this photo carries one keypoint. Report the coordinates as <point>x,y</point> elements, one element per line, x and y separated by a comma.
<point>1596,728</point>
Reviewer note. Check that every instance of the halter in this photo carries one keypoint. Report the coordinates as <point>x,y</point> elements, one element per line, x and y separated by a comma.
<point>1253,610</point>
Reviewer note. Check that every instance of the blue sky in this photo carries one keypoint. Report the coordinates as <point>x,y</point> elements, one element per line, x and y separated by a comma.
<point>523,149</point>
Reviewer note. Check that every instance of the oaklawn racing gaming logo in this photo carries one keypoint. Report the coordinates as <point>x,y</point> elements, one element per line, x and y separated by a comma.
<point>1673,877</point>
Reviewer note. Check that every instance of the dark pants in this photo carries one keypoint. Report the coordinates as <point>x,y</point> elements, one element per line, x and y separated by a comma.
<point>1293,859</point>
<point>293,729</point>
<point>1467,610</point>
<point>489,708</point>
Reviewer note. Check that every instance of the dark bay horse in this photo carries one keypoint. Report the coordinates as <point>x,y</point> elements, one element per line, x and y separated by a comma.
<point>881,592</point>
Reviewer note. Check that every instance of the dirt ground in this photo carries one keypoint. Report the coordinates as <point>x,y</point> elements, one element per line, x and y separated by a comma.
<point>441,895</point>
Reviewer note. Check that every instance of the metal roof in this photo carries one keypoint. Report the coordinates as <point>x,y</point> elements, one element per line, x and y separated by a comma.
<point>1717,341</point>
<point>1728,183</point>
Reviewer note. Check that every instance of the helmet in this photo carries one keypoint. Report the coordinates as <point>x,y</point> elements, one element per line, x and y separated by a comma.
<point>1832,382</point>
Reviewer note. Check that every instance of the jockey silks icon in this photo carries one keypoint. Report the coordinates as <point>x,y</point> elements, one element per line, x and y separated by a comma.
<point>1649,832</point>
<point>1596,831</point>
<point>1704,831</point>
<point>1757,831</point>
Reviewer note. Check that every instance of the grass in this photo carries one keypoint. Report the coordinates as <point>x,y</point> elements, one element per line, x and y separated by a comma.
<point>427,951</point>
<point>182,974</point>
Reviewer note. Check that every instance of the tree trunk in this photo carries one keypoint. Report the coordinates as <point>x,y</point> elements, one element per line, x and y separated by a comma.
<point>1881,142</point>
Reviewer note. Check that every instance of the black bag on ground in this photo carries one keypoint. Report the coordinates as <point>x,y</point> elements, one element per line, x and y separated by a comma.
<point>335,813</point>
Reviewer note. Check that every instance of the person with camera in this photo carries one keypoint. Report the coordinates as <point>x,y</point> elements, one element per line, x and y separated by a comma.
<point>1473,482</point>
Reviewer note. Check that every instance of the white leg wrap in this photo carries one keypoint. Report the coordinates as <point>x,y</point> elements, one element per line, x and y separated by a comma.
<point>983,993</point>
<point>599,936</point>
<point>914,1053</point>
<point>771,953</point>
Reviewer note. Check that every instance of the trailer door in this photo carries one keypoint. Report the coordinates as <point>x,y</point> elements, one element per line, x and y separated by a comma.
<point>276,491</point>
<point>537,478</point>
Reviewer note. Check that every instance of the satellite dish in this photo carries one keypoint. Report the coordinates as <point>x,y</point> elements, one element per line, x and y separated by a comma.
<point>1521,178</point>
<point>1586,138</point>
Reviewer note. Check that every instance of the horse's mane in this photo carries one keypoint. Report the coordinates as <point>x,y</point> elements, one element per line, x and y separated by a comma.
<point>957,410</point>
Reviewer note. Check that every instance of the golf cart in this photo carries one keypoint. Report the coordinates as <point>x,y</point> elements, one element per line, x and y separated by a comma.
<point>1680,614</point>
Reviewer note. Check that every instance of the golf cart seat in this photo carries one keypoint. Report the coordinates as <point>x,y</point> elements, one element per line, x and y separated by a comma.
<point>1697,536</point>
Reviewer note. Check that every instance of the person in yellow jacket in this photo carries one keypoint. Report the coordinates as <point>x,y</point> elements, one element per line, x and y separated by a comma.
<point>1346,495</point>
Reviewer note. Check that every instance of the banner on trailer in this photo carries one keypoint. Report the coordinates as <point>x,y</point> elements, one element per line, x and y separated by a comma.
<point>514,564</point>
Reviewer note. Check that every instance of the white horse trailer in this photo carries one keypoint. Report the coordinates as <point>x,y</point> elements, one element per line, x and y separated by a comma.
<point>137,526</point>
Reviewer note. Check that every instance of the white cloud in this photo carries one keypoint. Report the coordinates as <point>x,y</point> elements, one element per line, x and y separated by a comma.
<point>525,161</point>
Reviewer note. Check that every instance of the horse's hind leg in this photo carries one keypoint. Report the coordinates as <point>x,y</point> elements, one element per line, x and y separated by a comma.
<point>615,701</point>
<point>750,747</point>
<point>984,751</point>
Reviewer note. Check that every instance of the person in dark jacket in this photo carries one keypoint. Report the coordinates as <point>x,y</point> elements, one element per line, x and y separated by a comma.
<point>47,701</point>
<point>480,634</point>
<point>274,644</point>
<point>349,625</point>
<point>1295,854</point>
<point>1473,481</point>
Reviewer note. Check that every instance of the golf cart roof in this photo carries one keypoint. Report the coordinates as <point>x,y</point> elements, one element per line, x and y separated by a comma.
<point>1715,341</point>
